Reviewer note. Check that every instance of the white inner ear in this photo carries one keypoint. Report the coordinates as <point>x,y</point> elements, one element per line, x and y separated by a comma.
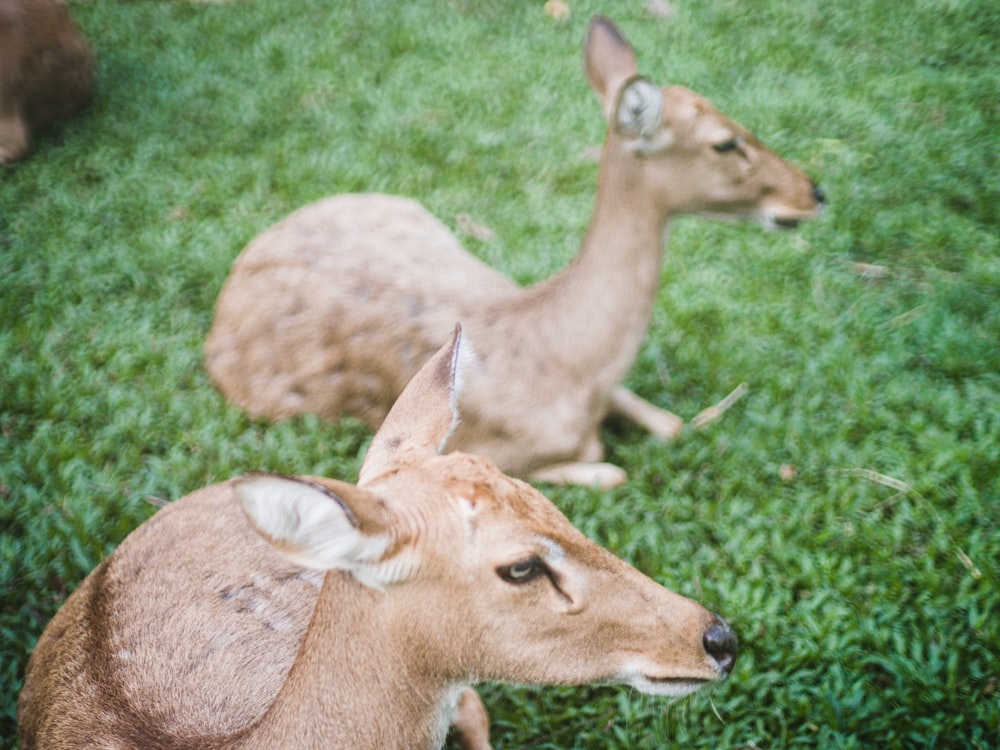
<point>463,356</point>
<point>308,524</point>
<point>640,110</point>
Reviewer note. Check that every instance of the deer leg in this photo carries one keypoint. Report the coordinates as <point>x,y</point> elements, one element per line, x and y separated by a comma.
<point>470,723</point>
<point>13,137</point>
<point>602,475</point>
<point>660,422</point>
<point>587,471</point>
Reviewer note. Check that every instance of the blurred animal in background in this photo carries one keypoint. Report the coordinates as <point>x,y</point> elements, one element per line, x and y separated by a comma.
<point>333,309</point>
<point>46,71</point>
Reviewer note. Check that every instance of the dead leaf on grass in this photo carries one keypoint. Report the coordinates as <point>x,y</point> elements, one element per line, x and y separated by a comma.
<point>706,416</point>
<point>661,8</point>
<point>557,10</point>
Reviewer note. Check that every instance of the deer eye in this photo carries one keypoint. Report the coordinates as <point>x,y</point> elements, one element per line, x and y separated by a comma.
<point>733,144</point>
<point>522,571</point>
<point>726,146</point>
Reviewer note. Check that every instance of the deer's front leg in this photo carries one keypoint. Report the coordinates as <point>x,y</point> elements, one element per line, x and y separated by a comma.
<point>470,723</point>
<point>600,475</point>
<point>660,422</point>
<point>13,136</point>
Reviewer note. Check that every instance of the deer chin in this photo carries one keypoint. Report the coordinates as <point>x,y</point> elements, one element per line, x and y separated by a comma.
<point>646,681</point>
<point>780,220</point>
<point>782,217</point>
<point>673,687</point>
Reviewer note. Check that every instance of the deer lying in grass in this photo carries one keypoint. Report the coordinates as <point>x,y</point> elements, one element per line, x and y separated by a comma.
<point>46,70</point>
<point>272,612</point>
<point>333,309</point>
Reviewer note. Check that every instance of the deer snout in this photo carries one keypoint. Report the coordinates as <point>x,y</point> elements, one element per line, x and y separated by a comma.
<point>720,642</point>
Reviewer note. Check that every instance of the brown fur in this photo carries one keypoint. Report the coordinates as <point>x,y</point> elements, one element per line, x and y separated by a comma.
<point>199,631</point>
<point>333,309</point>
<point>46,71</point>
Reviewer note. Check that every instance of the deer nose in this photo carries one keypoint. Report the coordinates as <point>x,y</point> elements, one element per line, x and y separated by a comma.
<point>720,643</point>
<point>819,195</point>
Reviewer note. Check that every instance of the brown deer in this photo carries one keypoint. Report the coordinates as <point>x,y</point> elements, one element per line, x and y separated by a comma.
<point>46,71</point>
<point>333,309</point>
<point>276,612</point>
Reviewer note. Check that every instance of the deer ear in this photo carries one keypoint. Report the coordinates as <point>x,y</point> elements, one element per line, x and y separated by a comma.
<point>424,415</point>
<point>639,115</point>
<point>609,61</point>
<point>331,527</point>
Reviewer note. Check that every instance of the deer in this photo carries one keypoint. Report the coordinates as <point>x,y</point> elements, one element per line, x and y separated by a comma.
<point>46,71</point>
<point>307,612</point>
<point>332,309</point>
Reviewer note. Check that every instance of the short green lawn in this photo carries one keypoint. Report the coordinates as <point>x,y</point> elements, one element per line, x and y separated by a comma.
<point>844,515</point>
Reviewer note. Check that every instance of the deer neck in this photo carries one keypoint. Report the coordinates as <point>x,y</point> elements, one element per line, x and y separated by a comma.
<point>600,305</point>
<point>351,687</point>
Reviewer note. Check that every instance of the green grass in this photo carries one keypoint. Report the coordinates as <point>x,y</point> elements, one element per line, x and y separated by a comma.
<point>864,589</point>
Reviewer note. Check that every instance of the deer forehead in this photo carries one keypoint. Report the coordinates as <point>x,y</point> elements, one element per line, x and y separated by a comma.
<point>685,107</point>
<point>466,500</point>
<point>684,104</point>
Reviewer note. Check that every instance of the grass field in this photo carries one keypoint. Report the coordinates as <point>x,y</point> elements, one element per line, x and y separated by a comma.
<point>844,516</point>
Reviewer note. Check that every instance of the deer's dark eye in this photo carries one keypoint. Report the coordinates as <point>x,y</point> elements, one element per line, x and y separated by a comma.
<point>522,571</point>
<point>726,146</point>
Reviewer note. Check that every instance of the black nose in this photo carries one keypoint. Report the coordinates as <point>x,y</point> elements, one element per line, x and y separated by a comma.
<point>720,642</point>
<point>819,195</point>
